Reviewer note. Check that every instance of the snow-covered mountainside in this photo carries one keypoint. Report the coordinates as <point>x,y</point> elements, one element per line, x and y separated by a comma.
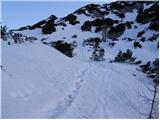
<point>100,61</point>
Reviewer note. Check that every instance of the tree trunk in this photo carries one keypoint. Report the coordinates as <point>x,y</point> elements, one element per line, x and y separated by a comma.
<point>153,101</point>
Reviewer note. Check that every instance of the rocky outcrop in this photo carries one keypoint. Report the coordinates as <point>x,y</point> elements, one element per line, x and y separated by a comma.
<point>71,18</point>
<point>126,6</point>
<point>40,24</point>
<point>149,15</point>
<point>116,32</point>
<point>49,26</point>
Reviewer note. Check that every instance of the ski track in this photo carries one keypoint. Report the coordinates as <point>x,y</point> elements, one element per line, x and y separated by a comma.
<point>68,100</point>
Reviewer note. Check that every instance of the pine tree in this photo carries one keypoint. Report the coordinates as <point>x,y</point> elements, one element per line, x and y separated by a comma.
<point>98,54</point>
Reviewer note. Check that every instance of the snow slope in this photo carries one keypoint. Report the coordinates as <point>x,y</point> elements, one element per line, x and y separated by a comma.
<point>83,53</point>
<point>40,82</point>
<point>31,79</point>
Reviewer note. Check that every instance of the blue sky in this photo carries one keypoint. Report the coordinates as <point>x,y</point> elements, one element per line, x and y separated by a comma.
<point>16,14</point>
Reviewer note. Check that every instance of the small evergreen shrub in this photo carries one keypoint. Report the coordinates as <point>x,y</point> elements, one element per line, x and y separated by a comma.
<point>43,39</point>
<point>74,36</point>
<point>92,42</point>
<point>45,43</point>
<point>80,11</point>
<point>31,39</point>
<point>138,62</point>
<point>143,39</point>
<point>137,45</point>
<point>129,39</point>
<point>17,37</point>
<point>64,47</point>
<point>72,19</point>
<point>91,7</point>
<point>111,44</point>
<point>125,57</point>
<point>9,43</point>
<point>153,38</point>
<point>98,23</point>
<point>106,22</point>
<point>63,24</point>
<point>135,27</point>
<point>152,70</point>
<point>148,15</point>
<point>140,33</point>
<point>128,24</point>
<point>154,26</point>
<point>120,15</point>
<point>98,54</point>
<point>3,32</point>
<point>74,22</point>
<point>86,26</point>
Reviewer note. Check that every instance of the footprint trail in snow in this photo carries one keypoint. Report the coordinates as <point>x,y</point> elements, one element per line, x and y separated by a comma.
<point>67,102</point>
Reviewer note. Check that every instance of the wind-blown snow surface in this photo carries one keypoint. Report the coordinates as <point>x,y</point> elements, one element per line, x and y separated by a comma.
<point>40,82</point>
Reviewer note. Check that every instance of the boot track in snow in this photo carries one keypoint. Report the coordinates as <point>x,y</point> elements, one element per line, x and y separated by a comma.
<point>68,100</point>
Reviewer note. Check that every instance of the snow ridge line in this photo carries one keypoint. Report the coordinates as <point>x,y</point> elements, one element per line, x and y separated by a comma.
<point>68,100</point>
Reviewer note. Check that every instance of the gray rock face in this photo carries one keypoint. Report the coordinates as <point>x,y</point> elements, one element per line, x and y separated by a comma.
<point>130,6</point>
<point>126,9</point>
<point>97,14</point>
<point>114,35</point>
<point>139,5</point>
<point>116,32</point>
